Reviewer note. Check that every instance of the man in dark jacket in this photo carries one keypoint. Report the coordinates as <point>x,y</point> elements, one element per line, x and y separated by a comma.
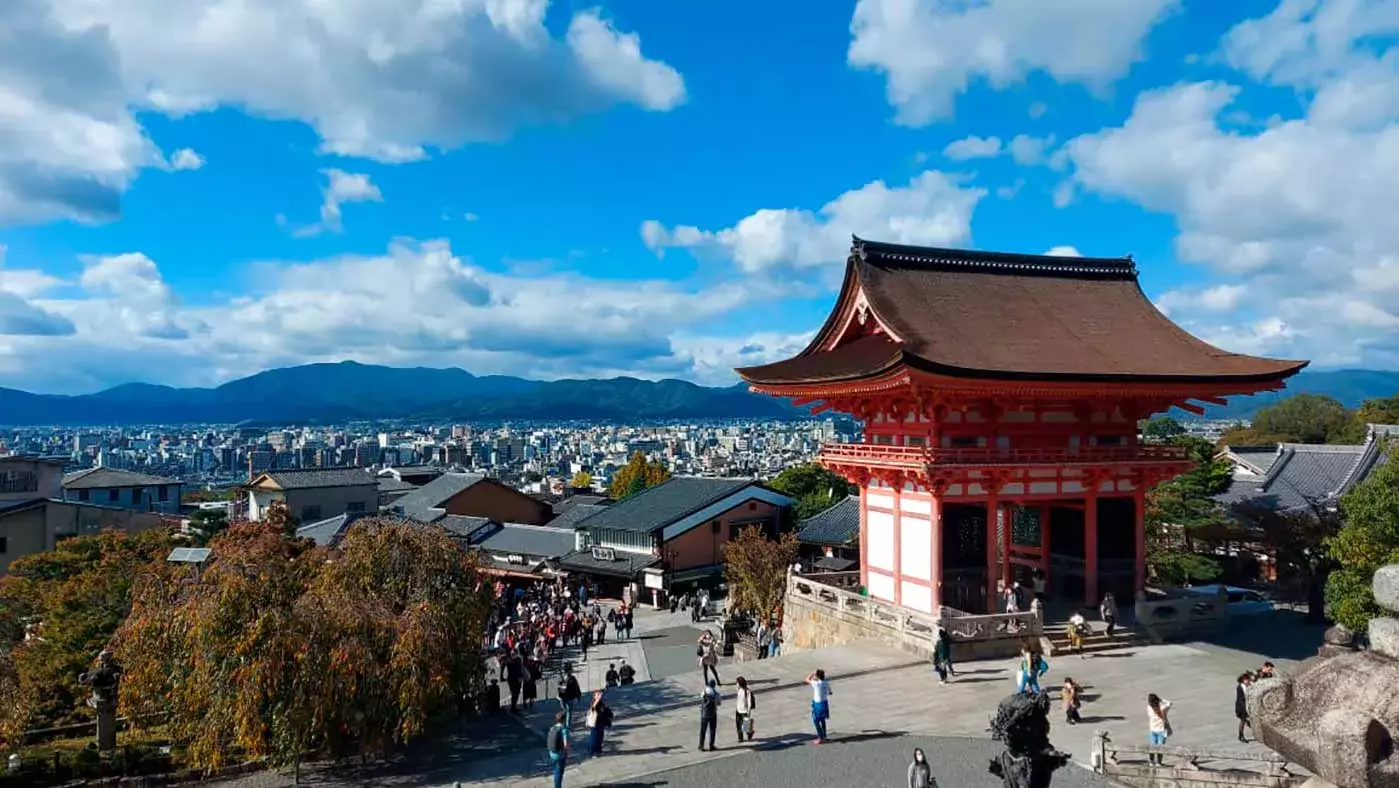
<point>709,714</point>
<point>1241,704</point>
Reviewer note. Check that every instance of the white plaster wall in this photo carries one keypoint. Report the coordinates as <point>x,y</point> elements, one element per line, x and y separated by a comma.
<point>880,586</point>
<point>879,553</point>
<point>916,547</point>
<point>917,597</point>
<point>879,500</point>
<point>916,506</point>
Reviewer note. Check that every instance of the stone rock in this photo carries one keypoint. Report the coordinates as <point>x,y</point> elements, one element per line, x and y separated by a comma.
<point>1338,714</point>
<point>1386,588</point>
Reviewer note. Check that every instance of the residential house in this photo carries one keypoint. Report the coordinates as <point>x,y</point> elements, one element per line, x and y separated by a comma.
<point>830,539</point>
<point>671,536</point>
<point>34,517</point>
<point>471,495</point>
<point>314,494</point>
<point>517,550</point>
<point>396,482</point>
<point>126,489</point>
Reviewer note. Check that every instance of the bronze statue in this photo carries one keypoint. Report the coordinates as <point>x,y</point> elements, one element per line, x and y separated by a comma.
<point>1029,760</point>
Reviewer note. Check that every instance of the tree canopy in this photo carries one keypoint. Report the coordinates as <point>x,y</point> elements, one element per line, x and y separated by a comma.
<point>1161,429</point>
<point>279,648</point>
<point>204,524</point>
<point>1303,418</point>
<point>581,480</point>
<point>814,488</point>
<point>1368,540</point>
<point>755,568</point>
<point>637,475</point>
<point>1179,506</point>
<point>75,596</point>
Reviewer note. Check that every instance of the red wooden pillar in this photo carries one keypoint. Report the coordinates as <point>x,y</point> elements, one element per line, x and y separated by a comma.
<point>896,487</point>
<point>864,536</point>
<point>935,560</point>
<point>1090,546</point>
<point>992,575</point>
<point>1139,536</point>
<point>1007,539</point>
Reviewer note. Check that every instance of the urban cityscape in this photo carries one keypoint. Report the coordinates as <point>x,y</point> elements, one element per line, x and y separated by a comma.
<point>539,394</point>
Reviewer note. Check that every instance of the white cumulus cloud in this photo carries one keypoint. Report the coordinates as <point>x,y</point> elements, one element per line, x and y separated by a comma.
<point>340,188</point>
<point>934,209</point>
<point>973,148</point>
<point>932,50</point>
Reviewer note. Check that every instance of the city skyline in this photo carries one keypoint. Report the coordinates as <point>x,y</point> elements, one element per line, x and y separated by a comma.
<point>665,192</point>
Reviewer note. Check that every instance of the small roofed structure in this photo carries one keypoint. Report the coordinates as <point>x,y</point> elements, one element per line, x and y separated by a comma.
<point>1000,395</point>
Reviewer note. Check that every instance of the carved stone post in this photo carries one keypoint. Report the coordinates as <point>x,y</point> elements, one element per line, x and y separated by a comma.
<point>104,681</point>
<point>1022,725</point>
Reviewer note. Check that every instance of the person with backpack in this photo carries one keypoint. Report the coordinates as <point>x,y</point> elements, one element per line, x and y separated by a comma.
<point>599,720</point>
<point>709,714</point>
<point>612,678</point>
<point>558,747</point>
<point>569,694</point>
<point>626,675</point>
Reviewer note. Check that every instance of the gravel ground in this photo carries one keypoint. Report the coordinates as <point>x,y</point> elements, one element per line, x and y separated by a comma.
<point>871,762</point>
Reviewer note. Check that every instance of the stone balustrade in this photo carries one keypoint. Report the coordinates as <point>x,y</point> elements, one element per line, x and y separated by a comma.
<point>1181,615</point>
<point>1189,767</point>
<point>817,615</point>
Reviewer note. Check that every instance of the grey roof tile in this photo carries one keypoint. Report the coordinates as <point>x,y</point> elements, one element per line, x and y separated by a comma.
<point>1302,474</point>
<point>311,478</point>
<point>95,478</point>
<point>460,525</point>
<point>424,504</point>
<point>625,565</point>
<point>659,506</point>
<point>540,541</point>
<point>574,515</point>
<point>329,532</point>
<point>837,525</point>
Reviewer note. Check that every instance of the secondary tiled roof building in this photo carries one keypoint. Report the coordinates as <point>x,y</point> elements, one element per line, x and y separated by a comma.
<point>471,495</point>
<point>126,489</point>
<point>1296,476</point>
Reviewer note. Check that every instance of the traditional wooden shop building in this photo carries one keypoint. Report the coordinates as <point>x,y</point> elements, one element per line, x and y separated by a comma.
<point>1000,395</point>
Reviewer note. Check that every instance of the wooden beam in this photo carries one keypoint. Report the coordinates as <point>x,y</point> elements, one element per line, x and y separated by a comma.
<point>801,402</point>
<point>1192,407</point>
<point>1214,400</point>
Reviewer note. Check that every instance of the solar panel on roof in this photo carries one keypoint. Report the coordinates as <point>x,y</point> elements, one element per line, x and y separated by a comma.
<point>189,555</point>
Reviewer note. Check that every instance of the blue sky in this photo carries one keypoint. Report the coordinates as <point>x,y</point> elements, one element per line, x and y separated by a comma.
<point>666,189</point>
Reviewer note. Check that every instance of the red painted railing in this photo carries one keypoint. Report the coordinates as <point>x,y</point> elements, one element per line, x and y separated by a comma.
<point>875,454</point>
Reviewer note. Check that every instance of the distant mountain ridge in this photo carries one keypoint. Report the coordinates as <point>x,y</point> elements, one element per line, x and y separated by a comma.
<point>350,390</point>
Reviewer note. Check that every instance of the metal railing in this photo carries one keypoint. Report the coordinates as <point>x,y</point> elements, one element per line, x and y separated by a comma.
<point>919,456</point>
<point>23,484</point>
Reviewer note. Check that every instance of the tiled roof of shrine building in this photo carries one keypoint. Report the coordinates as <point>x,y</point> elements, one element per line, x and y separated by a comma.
<point>969,314</point>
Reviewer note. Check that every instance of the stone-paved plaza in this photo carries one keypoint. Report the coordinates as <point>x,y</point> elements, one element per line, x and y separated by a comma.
<point>884,702</point>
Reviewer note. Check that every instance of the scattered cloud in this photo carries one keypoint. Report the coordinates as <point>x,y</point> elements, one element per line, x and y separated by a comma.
<point>1009,191</point>
<point>1063,194</point>
<point>933,209</point>
<point>470,217</point>
<point>1297,212</point>
<point>430,305</point>
<point>973,148</point>
<point>387,81</point>
<point>1063,251</point>
<point>185,159</point>
<point>341,187</point>
<point>1038,109</point>
<point>930,51</point>
<point>1028,151</point>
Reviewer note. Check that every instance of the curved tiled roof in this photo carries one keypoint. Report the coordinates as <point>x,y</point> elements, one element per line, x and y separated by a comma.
<point>997,315</point>
<point>836,526</point>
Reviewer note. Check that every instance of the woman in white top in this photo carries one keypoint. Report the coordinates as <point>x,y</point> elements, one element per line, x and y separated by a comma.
<point>820,703</point>
<point>744,704</point>
<point>1158,725</point>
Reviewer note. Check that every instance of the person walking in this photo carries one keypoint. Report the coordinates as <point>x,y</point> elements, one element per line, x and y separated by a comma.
<point>569,694</point>
<point>599,719</point>
<point>558,747</point>
<point>1241,704</point>
<point>627,618</point>
<point>1108,611</point>
<point>763,638</point>
<point>626,674</point>
<point>775,645</point>
<point>942,655</point>
<point>744,705</point>
<point>1072,702</point>
<point>708,653</point>
<point>530,682</point>
<point>1032,667</point>
<point>513,670</point>
<point>612,677</point>
<point>820,703</point>
<point>920,773</point>
<point>1158,726</point>
<point>1078,628</point>
<point>709,714</point>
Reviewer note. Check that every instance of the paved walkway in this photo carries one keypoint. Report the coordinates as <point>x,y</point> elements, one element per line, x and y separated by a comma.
<point>878,694</point>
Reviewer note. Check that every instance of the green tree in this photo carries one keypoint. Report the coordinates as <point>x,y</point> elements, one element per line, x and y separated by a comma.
<point>1177,508</point>
<point>813,487</point>
<point>1296,541</point>
<point>204,524</point>
<point>581,480</point>
<point>1379,411</point>
<point>636,475</point>
<point>755,568</point>
<point>1368,540</point>
<point>1161,429</point>
<point>1309,418</point>
<point>74,597</point>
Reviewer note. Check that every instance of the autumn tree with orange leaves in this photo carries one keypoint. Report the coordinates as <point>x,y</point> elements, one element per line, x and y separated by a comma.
<point>279,649</point>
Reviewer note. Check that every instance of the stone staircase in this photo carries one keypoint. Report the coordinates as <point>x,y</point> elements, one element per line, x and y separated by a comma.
<point>1057,635</point>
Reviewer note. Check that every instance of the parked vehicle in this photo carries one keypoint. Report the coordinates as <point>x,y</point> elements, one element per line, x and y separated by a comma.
<point>1242,601</point>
